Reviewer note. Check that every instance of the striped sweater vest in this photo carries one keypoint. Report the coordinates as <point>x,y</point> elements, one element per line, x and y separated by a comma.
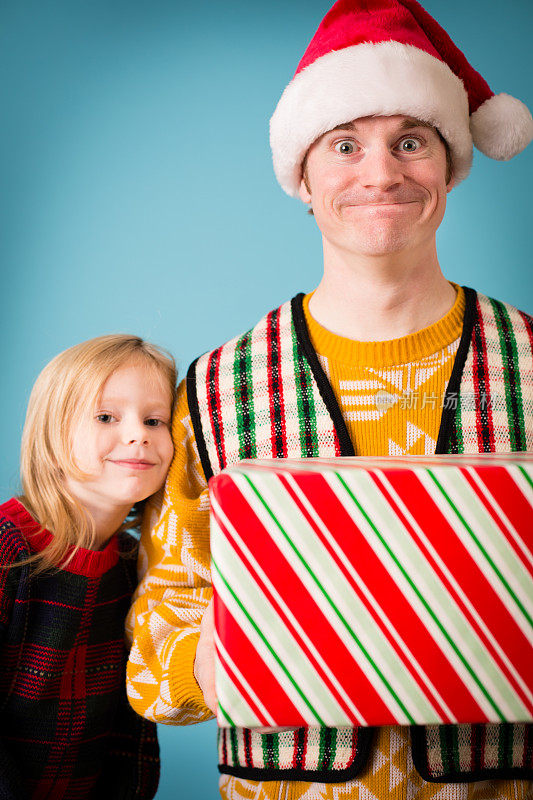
<point>265,395</point>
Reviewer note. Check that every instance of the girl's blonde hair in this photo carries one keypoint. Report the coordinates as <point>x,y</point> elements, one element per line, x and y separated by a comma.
<point>68,387</point>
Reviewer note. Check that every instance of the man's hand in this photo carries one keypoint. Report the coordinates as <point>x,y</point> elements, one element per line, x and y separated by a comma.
<point>204,662</point>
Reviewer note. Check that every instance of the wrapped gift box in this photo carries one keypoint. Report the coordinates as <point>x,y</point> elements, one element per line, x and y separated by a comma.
<point>374,591</point>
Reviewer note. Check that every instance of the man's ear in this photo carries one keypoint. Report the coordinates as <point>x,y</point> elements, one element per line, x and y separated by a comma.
<point>451,183</point>
<point>303,191</point>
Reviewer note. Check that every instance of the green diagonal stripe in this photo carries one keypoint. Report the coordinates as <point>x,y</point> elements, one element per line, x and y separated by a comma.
<point>421,597</point>
<point>267,643</point>
<point>225,714</point>
<point>480,547</point>
<point>526,475</point>
<point>331,603</point>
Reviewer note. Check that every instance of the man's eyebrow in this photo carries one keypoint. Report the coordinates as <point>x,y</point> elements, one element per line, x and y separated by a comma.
<point>344,126</point>
<point>406,125</point>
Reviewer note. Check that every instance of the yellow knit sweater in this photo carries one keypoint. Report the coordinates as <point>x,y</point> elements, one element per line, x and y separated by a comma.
<point>390,394</point>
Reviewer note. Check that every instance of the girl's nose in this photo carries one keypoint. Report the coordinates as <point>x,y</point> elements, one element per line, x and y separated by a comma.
<point>136,432</point>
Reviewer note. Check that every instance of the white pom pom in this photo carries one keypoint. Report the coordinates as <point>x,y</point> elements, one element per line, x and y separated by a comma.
<point>502,127</point>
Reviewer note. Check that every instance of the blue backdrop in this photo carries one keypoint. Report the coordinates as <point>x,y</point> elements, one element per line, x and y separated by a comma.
<point>138,194</point>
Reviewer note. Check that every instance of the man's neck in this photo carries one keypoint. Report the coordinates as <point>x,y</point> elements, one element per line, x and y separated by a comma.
<point>380,298</point>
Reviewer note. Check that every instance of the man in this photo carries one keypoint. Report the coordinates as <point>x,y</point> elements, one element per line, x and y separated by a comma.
<point>385,357</point>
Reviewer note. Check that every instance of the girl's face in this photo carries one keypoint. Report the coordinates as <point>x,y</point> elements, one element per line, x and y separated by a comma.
<point>125,446</point>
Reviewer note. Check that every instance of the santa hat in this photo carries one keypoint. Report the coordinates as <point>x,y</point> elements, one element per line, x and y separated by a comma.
<point>385,57</point>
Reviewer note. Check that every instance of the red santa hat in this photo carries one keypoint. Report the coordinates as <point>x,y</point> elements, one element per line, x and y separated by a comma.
<point>385,57</point>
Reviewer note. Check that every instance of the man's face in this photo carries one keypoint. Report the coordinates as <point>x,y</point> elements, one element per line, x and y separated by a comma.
<point>377,185</point>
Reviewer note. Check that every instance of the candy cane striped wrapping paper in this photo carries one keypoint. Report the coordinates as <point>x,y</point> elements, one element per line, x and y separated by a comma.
<point>374,591</point>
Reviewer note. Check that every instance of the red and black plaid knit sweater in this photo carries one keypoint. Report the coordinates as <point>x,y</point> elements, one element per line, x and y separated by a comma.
<point>66,729</point>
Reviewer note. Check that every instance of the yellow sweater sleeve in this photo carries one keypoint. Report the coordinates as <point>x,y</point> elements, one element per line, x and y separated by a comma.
<point>174,589</point>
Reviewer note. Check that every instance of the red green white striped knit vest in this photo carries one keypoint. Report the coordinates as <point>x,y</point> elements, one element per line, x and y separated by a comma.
<point>265,395</point>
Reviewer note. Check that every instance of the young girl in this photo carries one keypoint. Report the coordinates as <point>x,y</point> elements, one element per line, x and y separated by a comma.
<point>95,442</point>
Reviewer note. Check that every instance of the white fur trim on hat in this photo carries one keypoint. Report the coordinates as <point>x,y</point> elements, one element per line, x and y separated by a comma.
<point>502,127</point>
<point>368,80</point>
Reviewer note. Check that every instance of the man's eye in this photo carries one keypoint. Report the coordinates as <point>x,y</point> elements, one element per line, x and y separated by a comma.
<point>346,148</point>
<point>105,418</point>
<point>409,145</point>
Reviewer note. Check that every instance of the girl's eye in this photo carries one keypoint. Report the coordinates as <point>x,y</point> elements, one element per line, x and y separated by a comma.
<point>105,418</point>
<point>346,148</point>
<point>409,145</point>
<point>153,422</point>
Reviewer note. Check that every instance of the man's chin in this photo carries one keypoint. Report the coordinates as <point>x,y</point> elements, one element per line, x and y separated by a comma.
<point>381,242</point>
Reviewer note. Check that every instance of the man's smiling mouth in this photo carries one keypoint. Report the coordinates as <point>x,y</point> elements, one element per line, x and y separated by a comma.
<point>382,205</point>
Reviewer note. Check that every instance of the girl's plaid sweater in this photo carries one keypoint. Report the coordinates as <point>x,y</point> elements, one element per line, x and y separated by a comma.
<point>66,729</point>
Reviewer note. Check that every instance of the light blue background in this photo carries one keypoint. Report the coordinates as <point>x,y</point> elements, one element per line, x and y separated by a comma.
<point>138,194</point>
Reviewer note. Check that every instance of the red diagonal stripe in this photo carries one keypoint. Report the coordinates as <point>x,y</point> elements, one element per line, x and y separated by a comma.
<point>251,665</point>
<point>470,577</point>
<point>230,631</point>
<point>330,640</point>
<point>513,503</point>
<point>304,607</point>
<point>354,548</point>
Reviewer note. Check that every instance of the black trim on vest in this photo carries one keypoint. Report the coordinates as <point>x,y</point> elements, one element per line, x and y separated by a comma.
<point>419,753</point>
<point>194,411</point>
<point>364,740</point>
<point>324,386</point>
<point>448,414</point>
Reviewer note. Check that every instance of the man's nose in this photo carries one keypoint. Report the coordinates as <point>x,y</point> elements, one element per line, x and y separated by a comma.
<point>380,169</point>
